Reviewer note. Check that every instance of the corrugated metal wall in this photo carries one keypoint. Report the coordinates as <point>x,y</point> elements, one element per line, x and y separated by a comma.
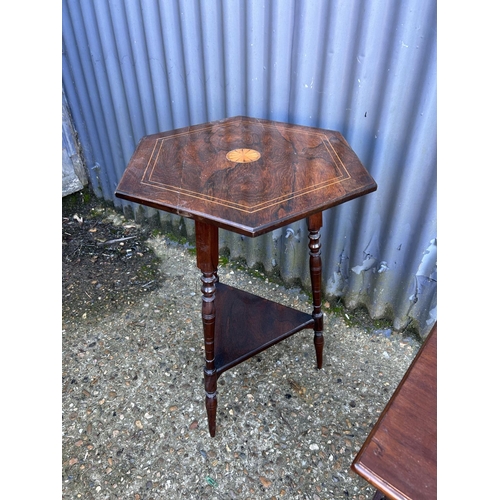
<point>364,68</point>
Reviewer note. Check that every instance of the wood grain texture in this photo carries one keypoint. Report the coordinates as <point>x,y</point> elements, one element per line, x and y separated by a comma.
<point>399,457</point>
<point>300,171</point>
<point>247,324</point>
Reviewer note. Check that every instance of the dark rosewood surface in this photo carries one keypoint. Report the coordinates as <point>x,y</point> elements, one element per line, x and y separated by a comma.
<point>284,173</point>
<point>249,176</point>
<point>399,457</point>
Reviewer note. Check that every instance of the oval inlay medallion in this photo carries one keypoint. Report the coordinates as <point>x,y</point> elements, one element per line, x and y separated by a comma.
<point>243,155</point>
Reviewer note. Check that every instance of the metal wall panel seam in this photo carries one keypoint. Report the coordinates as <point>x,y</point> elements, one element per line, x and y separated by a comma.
<point>192,51</point>
<point>118,112</point>
<point>126,67</point>
<point>108,127</point>
<point>213,56</point>
<point>81,92</point>
<point>256,95</point>
<point>157,41</point>
<point>280,63</point>
<point>235,58</point>
<point>140,63</point>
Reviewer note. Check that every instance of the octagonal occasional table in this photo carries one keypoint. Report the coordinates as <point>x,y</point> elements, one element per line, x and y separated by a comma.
<point>249,176</point>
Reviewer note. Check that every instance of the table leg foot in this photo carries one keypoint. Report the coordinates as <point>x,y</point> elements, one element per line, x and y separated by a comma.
<point>318,345</point>
<point>211,406</point>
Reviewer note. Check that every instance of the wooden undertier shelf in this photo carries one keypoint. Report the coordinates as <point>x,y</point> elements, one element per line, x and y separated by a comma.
<point>247,324</point>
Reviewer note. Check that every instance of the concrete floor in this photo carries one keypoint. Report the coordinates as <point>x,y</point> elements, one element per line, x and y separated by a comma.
<point>134,422</point>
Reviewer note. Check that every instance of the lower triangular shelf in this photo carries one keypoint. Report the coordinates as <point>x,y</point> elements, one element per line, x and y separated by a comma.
<point>246,324</point>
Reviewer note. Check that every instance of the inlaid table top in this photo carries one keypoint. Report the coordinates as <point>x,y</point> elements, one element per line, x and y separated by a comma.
<point>244,174</point>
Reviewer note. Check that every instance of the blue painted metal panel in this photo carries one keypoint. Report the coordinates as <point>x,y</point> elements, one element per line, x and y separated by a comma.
<point>366,68</point>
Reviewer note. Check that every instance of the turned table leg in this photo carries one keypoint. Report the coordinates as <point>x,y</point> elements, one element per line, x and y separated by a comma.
<point>207,257</point>
<point>314,223</point>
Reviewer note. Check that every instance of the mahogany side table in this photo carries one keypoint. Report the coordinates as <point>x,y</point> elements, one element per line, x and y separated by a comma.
<point>399,456</point>
<point>249,176</point>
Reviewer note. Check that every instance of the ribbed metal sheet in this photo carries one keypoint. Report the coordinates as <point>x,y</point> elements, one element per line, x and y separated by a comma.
<point>364,68</point>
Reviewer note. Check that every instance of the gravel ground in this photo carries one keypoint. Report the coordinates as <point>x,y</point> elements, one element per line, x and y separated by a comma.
<point>133,415</point>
